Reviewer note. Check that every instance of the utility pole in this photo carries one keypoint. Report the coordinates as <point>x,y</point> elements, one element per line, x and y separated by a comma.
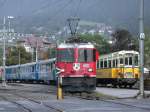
<point>19,55</point>
<point>4,53</point>
<point>36,51</point>
<point>37,66</point>
<point>141,48</point>
<point>9,24</point>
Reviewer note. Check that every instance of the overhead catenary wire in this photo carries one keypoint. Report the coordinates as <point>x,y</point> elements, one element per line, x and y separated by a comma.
<point>61,9</point>
<point>78,8</point>
<point>46,6</point>
<point>2,3</point>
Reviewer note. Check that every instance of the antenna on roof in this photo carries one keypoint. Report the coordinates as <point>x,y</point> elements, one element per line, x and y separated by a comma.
<point>73,25</point>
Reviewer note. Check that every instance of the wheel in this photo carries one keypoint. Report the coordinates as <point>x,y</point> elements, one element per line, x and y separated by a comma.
<point>130,86</point>
<point>125,86</point>
<point>120,86</point>
<point>114,85</point>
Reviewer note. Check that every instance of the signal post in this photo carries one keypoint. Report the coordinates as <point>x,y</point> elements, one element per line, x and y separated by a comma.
<point>59,84</point>
<point>59,88</point>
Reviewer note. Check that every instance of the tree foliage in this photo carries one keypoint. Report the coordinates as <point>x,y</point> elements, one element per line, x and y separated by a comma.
<point>1,56</point>
<point>52,52</point>
<point>147,48</point>
<point>123,40</point>
<point>100,42</point>
<point>13,56</point>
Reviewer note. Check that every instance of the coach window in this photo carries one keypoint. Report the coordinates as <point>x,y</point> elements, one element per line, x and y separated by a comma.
<point>65,55</point>
<point>101,63</point>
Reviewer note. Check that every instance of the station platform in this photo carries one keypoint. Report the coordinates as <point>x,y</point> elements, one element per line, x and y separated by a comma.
<point>120,92</point>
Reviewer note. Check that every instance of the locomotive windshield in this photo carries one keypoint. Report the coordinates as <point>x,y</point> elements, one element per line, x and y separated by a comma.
<point>65,55</point>
<point>86,55</point>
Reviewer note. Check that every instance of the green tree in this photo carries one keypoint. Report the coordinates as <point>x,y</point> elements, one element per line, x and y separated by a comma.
<point>13,56</point>
<point>147,48</point>
<point>123,40</point>
<point>1,56</point>
<point>52,52</point>
<point>100,42</point>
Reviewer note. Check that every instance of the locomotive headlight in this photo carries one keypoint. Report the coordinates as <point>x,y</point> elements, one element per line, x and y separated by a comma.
<point>62,70</point>
<point>90,70</point>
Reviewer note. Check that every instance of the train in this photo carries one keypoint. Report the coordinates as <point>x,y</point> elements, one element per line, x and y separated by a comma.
<point>80,68</point>
<point>118,69</point>
<point>41,72</point>
<point>76,64</point>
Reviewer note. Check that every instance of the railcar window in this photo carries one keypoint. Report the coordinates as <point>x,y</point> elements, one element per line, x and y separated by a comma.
<point>126,61</point>
<point>98,64</point>
<point>105,64</point>
<point>65,55</point>
<point>114,63</point>
<point>130,60</point>
<point>136,60</point>
<point>121,60</point>
<point>86,55</point>
<point>101,63</point>
<point>51,66</point>
<point>109,63</point>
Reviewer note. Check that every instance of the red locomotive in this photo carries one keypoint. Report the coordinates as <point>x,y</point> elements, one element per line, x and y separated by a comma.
<point>76,63</point>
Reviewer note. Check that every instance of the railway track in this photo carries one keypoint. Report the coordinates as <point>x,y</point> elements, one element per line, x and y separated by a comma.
<point>22,106</point>
<point>29,96</point>
<point>39,102</point>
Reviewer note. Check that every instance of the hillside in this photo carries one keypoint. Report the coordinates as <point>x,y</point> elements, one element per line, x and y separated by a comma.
<point>50,15</point>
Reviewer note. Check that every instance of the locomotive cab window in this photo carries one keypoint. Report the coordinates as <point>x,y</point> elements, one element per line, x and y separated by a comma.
<point>86,55</point>
<point>65,55</point>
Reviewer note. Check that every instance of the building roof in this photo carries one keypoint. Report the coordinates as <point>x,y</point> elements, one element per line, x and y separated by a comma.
<point>34,41</point>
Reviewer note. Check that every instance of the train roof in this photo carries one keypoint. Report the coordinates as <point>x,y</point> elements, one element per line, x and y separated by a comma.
<point>126,52</point>
<point>30,64</point>
<point>118,54</point>
<point>76,45</point>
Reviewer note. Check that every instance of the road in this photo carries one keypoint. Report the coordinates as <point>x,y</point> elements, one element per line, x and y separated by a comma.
<point>42,98</point>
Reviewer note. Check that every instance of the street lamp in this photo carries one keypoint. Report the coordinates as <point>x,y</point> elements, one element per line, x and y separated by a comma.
<point>4,54</point>
<point>37,46</point>
<point>4,49</point>
<point>9,24</point>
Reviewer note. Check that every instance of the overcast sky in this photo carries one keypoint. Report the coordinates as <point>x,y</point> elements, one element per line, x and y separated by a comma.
<point>115,12</point>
